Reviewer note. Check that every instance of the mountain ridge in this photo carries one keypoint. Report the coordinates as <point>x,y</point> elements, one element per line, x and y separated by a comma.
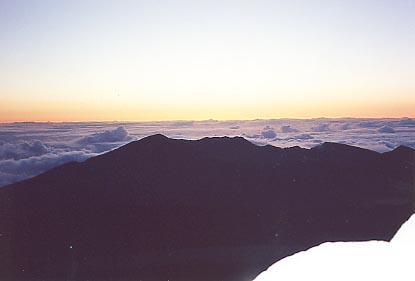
<point>210,209</point>
<point>402,149</point>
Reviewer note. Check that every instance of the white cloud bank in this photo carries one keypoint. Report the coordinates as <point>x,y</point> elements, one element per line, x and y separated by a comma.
<point>116,135</point>
<point>386,129</point>
<point>346,261</point>
<point>15,170</point>
<point>27,149</point>
<point>22,149</point>
<point>268,133</point>
<point>288,129</point>
<point>24,156</point>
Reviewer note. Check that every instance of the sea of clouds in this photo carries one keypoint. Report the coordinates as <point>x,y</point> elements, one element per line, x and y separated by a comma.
<point>28,149</point>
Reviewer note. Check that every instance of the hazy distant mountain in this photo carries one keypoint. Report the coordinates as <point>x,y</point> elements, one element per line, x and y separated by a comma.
<point>206,210</point>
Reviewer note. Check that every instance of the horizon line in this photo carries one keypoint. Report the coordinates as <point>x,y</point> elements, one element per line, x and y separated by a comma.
<point>194,120</point>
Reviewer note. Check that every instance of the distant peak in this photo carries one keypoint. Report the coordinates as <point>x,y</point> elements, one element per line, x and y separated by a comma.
<point>330,146</point>
<point>131,148</point>
<point>156,137</point>
<point>295,148</point>
<point>334,147</point>
<point>226,139</point>
<point>402,149</point>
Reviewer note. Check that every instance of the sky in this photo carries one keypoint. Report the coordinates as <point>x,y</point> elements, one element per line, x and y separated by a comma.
<point>85,60</point>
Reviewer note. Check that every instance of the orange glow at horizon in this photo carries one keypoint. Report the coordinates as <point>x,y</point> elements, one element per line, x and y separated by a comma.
<point>77,111</point>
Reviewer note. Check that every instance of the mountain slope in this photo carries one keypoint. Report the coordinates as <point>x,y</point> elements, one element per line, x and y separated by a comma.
<point>211,209</point>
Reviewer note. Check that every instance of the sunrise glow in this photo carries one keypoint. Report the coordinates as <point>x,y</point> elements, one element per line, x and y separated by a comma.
<point>196,60</point>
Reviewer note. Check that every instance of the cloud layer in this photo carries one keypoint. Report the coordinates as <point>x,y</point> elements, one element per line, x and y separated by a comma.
<point>268,133</point>
<point>108,136</point>
<point>27,149</point>
<point>23,155</point>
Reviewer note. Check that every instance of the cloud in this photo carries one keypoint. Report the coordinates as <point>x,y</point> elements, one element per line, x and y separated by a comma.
<point>182,123</point>
<point>268,133</point>
<point>7,178</point>
<point>371,123</point>
<point>23,159</point>
<point>352,131</point>
<point>254,136</point>
<point>343,126</point>
<point>47,141</point>
<point>406,122</point>
<point>12,170</point>
<point>22,149</point>
<point>303,137</point>
<point>345,261</point>
<point>288,129</point>
<point>321,128</point>
<point>116,135</point>
<point>386,129</point>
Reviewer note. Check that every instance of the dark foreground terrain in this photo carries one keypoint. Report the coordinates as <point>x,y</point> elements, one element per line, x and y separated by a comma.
<point>207,210</point>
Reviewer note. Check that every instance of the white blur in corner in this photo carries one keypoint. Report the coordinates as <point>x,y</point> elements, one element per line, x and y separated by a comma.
<point>373,260</point>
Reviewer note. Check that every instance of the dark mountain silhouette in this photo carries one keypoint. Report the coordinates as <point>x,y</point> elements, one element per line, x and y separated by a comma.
<point>206,210</point>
